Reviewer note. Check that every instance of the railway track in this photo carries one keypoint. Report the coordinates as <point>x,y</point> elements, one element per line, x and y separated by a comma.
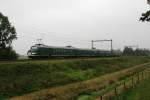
<point>52,59</point>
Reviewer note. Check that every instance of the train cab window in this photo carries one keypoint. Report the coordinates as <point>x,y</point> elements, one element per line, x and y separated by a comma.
<point>34,48</point>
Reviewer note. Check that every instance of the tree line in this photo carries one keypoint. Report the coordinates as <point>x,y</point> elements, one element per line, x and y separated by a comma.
<point>128,51</point>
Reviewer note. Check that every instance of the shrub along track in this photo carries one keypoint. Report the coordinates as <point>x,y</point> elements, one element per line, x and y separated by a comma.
<point>71,91</point>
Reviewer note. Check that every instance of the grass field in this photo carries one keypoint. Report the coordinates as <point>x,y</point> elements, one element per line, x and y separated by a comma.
<point>125,84</point>
<point>141,92</point>
<point>18,78</point>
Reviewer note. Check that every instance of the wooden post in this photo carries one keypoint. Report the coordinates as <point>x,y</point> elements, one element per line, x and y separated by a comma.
<point>138,77</point>
<point>116,91</point>
<point>132,82</point>
<point>124,84</point>
<point>101,97</point>
<point>142,76</point>
<point>145,76</point>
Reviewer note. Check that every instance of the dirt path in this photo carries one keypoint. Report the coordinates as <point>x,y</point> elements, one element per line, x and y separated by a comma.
<point>68,91</point>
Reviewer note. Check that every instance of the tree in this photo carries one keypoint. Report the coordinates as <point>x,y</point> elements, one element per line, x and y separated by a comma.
<point>7,32</point>
<point>128,51</point>
<point>146,15</point>
<point>137,52</point>
<point>7,35</point>
<point>142,52</point>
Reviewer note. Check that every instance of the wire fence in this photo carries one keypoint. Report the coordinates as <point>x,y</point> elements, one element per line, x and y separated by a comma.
<point>112,92</point>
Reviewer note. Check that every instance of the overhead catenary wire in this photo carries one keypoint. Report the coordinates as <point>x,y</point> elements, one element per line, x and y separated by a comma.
<point>57,37</point>
<point>62,40</point>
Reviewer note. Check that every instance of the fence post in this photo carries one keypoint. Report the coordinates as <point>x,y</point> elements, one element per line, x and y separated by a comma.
<point>101,97</point>
<point>138,77</point>
<point>124,84</point>
<point>132,82</point>
<point>116,91</point>
<point>145,74</point>
<point>142,75</point>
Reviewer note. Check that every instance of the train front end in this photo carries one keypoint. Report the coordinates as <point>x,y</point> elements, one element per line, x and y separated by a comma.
<point>33,52</point>
<point>39,51</point>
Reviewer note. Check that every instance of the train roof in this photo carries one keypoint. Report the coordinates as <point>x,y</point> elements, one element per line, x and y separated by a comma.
<point>67,47</point>
<point>46,46</point>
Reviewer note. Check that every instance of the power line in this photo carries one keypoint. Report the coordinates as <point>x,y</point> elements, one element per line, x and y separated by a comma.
<point>106,40</point>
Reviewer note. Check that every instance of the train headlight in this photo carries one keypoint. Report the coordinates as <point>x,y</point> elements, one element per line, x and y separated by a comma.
<point>33,53</point>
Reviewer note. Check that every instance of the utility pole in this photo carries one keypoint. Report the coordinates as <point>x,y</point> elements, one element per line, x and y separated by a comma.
<point>92,44</point>
<point>111,45</point>
<point>111,41</point>
<point>39,41</point>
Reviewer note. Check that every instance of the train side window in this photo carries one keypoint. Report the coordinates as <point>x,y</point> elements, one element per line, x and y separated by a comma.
<point>61,51</point>
<point>55,51</point>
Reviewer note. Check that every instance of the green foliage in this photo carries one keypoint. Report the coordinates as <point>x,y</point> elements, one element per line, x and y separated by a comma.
<point>138,52</point>
<point>86,98</point>
<point>18,78</point>
<point>128,51</point>
<point>8,54</point>
<point>141,92</point>
<point>7,35</point>
<point>142,52</point>
<point>146,15</point>
<point>7,32</point>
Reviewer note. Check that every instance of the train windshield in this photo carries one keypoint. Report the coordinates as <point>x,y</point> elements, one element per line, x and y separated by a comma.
<point>34,48</point>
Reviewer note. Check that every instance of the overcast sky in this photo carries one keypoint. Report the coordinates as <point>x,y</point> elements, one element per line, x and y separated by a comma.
<point>77,22</point>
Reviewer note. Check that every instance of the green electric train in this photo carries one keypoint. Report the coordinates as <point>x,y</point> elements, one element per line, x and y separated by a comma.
<point>43,51</point>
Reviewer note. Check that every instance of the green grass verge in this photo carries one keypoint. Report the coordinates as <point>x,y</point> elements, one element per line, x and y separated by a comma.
<point>95,94</point>
<point>23,77</point>
<point>141,92</point>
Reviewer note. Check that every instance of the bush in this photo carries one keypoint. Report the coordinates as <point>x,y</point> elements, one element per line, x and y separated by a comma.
<point>138,52</point>
<point>8,54</point>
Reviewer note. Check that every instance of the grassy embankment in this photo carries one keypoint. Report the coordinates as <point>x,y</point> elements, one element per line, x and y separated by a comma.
<point>140,92</point>
<point>98,85</point>
<point>18,78</point>
<point>122,86</point>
